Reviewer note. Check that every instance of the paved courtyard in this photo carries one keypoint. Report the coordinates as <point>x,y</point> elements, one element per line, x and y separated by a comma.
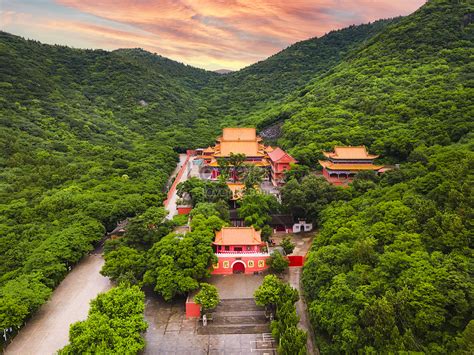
<point>170,333</point>
<point>302,241</point>
<point>236,285</point>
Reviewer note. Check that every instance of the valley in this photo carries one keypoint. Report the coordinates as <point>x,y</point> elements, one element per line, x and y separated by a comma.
<point>89,138</point>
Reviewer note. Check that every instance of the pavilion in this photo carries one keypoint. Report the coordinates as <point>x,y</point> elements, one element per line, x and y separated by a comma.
<point>280,163</point>
<point>346,161</point>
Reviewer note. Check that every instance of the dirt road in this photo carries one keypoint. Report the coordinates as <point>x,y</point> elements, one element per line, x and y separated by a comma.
<point>48,330</point>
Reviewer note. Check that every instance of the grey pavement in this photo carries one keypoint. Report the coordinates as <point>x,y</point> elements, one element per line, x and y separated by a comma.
<point>236,285</point>
<point>294,279</point>
<point>303,244</point>
<point>48,330</point>
<point>169,332</point>
<point>302,241</point>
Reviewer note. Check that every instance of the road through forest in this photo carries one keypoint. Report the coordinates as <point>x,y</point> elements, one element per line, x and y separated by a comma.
<point>48,330</point>
<point>170,205</point>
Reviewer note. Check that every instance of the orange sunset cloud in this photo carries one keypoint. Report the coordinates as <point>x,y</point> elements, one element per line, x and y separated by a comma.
<point>208,34</point>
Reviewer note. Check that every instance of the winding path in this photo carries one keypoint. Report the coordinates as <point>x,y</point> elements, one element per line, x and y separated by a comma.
<point>303,245</point>
<point>48,330</point>
<point>181,172</point>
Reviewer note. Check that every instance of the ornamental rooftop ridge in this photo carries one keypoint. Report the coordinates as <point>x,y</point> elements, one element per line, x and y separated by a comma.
<point>238,236</point>
<point>350,152</point>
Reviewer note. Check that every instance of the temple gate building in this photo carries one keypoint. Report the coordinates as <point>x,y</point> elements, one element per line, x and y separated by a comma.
<point>239,250</point>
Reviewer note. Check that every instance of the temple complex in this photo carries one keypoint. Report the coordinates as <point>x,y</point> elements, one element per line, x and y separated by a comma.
<point>244,141</point>
<point>239,250</point>
<point>345,162</point>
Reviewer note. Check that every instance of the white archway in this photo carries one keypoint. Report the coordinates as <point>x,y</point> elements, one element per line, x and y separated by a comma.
<point>238,261</point>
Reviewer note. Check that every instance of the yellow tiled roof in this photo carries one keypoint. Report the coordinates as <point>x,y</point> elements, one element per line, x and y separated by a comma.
<point>238,236</point>
<point>249,148</point>
<point>349,152</point>
<point>263,163</point>
<point>239,134</point>
<point>357,167</point>
<point>259,163</point>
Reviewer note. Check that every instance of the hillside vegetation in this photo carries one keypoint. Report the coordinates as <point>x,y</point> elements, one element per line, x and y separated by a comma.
<point>410,85</point>
<point>392,269</point>
<point>89,138</point>
<point>79,152</point>
<point>259,86</point>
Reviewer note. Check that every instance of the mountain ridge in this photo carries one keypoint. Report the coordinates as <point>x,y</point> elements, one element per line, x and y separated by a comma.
<point>89,138</point>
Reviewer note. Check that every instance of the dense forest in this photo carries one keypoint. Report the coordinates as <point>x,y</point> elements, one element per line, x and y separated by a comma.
<point>113,326</point>
<point>410,85</point>
<point>89,138</point>
<point>391,270</point>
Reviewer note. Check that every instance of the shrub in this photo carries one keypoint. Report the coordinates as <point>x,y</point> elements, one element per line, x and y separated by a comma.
<point>278,263</point>
<point>207,297</point>
<point>287,245</point>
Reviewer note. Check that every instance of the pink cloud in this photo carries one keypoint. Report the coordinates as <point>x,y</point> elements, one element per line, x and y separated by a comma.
<point>232,34</point>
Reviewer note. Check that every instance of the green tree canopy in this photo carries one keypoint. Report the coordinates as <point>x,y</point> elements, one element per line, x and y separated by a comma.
<point>114,324</point>
<point>124,264</point>
<point>177,263</point>
<point>274,292</point>
<point>278,263</point>
<point>256,207</point>
<point>287,245</point>
<point>207,297</point>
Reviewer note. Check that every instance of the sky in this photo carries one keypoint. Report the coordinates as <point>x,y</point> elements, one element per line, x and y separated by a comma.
<point>209,34</point>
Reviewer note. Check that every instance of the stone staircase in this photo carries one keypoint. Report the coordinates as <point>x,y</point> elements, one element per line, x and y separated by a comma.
<point>237,316</point>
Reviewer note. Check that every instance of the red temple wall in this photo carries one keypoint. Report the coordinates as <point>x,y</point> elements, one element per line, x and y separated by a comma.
<point>193,310</point>
<point>254,248</point>
<point>184,210</point>
<point>281,167</point>
<point>221,270</point>
<point>296,260</point>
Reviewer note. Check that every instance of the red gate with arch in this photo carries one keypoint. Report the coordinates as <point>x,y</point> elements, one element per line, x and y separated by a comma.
<point>238,267</point>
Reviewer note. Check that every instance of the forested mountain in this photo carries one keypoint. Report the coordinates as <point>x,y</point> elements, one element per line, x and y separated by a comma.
<point>88,138</point>
<point>392,269</point>
<point>260,85</point>
<point>74,159</point>
<point>410,85</point>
